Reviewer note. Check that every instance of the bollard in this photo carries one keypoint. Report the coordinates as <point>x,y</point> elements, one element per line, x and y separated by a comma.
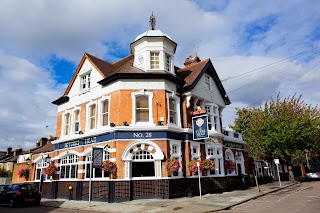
<point>70,192</point>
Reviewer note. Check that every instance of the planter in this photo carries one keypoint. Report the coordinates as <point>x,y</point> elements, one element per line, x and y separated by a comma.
<point>112,176</point>
<point>204,173</point>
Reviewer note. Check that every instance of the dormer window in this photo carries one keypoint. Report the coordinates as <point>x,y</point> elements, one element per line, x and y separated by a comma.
<point>154,60</point>
<point>168,62</point>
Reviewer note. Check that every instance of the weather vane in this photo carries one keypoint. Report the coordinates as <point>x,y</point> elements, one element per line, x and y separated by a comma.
<point>152,21</point>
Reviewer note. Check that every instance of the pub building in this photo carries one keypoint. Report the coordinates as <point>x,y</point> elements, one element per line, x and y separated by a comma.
<point>139,111</point>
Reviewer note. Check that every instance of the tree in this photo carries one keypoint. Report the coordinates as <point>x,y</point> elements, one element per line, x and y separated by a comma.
<point>280,129</point>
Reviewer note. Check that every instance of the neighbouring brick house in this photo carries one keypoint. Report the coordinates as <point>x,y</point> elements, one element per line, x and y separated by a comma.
<point>23,161</point>
<point>139,111</point>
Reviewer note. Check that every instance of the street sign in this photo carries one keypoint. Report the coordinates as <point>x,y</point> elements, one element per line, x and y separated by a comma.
<point>200,127</point>
<point>97,158</point>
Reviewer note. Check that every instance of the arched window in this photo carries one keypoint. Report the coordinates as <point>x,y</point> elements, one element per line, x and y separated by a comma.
<point>229,156</point>
<point>40,166</point>
<point>143,164</point>
<point>96,173</point>
<point>143,159</point>
<point>69,167</point>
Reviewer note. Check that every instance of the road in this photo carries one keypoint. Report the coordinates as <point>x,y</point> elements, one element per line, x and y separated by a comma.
<point>38,209</point>
<point>304,197</point>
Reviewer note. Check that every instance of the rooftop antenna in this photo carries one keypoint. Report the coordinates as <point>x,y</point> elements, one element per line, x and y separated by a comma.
<point>152,21</point>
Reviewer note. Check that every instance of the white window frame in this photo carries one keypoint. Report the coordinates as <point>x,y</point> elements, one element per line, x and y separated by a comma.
<point>69,161</point>
<point>88,115</point>
<point>100,108</point>
<point>85,75</point>
<point>41,165</point>
<point>197,154</point>
<point>196,146</point>
<point>73,121</point>
<point>176,145</point>
<point>150,99</point>
<point>167,62</point>
<point>213,115</point>
<point>217,156</point>
<point>230,156</point>
<point>63,129</point>
<point>152,60</point>
<point>87,162</point>
<point>177,102</point>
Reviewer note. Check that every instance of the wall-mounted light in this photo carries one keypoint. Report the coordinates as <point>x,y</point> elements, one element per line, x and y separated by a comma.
<point>47,159</point>
<point>28,160</point>
<point>125,123</point>
<point>112,125</point>
<point>161,120</point>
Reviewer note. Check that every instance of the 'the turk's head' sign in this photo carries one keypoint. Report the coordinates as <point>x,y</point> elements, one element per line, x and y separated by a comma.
<point>200,127</point>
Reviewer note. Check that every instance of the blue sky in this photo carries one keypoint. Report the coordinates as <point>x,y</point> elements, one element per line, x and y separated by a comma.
<point>249,42</point>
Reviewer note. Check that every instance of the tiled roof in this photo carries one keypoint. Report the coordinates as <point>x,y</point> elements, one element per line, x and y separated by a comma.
<point>102,65</point>
<point>13,159</point>
<point>9,159</point>
<point>192,72</point>
<point>45,148</point>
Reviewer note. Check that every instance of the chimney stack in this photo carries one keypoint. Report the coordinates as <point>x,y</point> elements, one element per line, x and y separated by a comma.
<point>17,151</point>
<point>192,60</point>
<point>9,151</point>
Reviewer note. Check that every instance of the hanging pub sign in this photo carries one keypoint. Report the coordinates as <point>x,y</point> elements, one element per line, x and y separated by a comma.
<point>97,157</point>
<point>200,127</point>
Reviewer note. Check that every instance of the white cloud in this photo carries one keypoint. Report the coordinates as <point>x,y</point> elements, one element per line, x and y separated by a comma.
<point>238,36</point>
<point>26,109</point>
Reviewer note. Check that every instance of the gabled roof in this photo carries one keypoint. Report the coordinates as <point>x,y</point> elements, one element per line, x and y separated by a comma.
<point>192,74</point>
<point>121,69</point>
<point>101,65</point>
<point>186,78</point>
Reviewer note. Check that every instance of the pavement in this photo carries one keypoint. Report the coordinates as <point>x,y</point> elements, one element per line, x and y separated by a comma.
<point>207,203</point>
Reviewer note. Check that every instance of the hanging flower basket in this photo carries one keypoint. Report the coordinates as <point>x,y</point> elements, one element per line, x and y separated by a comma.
<point>208,164</point>
<point>109,167</point>
<point>173,165</point>
<point>229,165</point>
<point>24,173</point>
<point>51,170</point>
<point>193,168</point>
